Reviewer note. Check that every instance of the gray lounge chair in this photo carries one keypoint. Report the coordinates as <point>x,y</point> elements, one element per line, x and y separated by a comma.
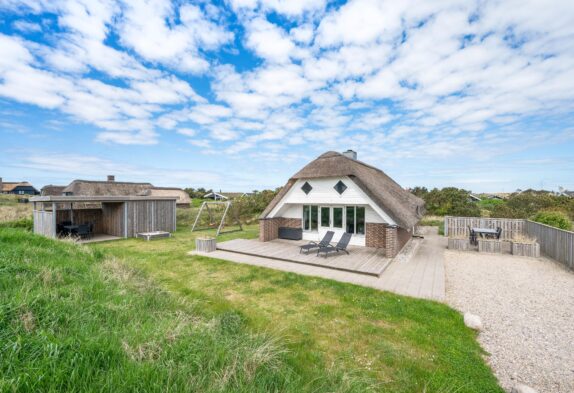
<point>341,245</point>
<point>311,245</point>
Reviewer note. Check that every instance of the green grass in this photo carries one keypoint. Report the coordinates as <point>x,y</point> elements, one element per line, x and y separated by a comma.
<point>144,316</point>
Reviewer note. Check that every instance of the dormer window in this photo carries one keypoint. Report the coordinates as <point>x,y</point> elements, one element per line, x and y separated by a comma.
<point>306,188</point>
<point>340,187</point>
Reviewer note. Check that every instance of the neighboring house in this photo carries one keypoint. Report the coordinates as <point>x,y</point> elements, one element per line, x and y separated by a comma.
<point>111,187</point>
<point>52,190</point>
<point>336,192</point>
<point>224,195</point>
<point>474,198</point>
<point>18,188</point>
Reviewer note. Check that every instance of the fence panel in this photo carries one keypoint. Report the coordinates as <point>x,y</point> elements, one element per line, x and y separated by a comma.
<point>555,243</point>
<point>458,226</point>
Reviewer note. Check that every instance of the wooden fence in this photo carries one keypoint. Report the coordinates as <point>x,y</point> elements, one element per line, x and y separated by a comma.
<point>555,243</point>
<point>458,226</point>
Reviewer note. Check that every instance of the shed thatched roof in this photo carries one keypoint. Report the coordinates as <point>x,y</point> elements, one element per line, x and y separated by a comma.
<point>405,208</point>
<point>182,196</point>
<point>113,188</point>
<point>52,190</point>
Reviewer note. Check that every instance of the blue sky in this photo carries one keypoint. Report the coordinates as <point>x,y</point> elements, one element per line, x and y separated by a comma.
<point>239,94</point>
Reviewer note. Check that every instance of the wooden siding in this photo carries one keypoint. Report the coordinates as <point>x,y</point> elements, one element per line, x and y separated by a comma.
<point>458,226</point>
<point>555,243</point>
<point>113,219</point>
<point>149,216</point>
<point>44,223</point>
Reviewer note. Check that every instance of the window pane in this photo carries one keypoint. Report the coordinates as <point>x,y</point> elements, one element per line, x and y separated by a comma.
<point>338,217</point>
<point>325,219</point>
<point>360,220</point>
<point>314,217</point>
<point>306,213</point>
<point>350,219</point>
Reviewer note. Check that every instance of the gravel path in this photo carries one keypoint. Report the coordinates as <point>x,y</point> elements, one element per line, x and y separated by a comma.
<point>527,309</point>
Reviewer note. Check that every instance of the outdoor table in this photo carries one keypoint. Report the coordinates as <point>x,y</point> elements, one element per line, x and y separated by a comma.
<point>71,228</point>
<point>484,231</point>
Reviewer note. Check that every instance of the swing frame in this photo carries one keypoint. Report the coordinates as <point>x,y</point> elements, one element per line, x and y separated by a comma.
<point>205,205</point>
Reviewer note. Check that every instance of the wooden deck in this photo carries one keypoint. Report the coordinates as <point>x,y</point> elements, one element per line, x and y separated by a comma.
<point>361,260</point>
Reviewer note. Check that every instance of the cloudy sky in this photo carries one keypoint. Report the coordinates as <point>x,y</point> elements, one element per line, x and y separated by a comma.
<point>239,94</point>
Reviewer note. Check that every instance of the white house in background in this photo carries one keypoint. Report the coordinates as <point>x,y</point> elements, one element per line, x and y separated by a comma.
<point>338,193</point>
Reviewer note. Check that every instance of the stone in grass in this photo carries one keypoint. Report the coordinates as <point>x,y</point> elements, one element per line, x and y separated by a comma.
<point>520,388</point>
<point>472,321</point>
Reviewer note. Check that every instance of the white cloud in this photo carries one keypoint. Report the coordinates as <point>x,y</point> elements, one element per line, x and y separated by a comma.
<point>269,41</point>
<point>151,29</point>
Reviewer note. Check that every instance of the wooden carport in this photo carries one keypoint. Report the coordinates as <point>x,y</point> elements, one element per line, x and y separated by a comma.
<point>119,216</point>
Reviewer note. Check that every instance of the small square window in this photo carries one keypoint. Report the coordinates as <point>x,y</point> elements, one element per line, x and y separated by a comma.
<point>340,187</point>
<point>306,188</point>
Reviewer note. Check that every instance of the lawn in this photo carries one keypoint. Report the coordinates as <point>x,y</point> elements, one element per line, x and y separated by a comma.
<point>132,315</point>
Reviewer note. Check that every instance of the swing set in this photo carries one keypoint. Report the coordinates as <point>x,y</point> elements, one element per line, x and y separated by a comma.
<point>213,222</point>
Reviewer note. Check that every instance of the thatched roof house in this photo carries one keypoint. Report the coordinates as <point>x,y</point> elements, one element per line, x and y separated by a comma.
<point>52,190</point>
<point>17,188</point>
<point>111,187</point>
<point>339,193</point>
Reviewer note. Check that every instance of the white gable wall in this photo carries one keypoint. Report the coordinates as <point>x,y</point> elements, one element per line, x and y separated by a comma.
<point>323,193</point>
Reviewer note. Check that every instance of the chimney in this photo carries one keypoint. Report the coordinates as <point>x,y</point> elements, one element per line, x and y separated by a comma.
<point>111,178</point>
<point>351,154</point>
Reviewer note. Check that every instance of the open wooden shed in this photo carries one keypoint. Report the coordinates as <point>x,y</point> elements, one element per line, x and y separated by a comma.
<point>111,216</point>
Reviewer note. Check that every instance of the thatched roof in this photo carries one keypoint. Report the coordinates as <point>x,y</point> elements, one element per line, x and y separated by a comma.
<point>10,186</point>
<point>113,188</point>
<point>182,196</point>
<point>52,190</point>
<point>403,207</point>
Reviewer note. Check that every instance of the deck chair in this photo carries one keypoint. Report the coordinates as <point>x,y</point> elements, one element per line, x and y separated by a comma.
<point>311,245</point>
<point>341,245</point>
<point>472,236</point>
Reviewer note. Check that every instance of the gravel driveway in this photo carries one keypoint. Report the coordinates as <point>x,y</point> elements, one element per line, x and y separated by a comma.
<point>527,308</point>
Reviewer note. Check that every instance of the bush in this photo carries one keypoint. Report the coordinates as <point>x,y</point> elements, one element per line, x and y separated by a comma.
<point>449,201</point>
<point>556,219</point>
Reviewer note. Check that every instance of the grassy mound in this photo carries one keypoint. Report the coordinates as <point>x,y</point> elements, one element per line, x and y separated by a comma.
<point>74,320</point>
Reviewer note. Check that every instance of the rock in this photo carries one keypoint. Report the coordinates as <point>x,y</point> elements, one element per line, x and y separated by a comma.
<point>472,321</point>
<point>520,388</point>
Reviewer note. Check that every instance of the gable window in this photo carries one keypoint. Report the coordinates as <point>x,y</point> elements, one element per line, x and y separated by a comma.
<point>310,217</point>
<point>340,187</point>
<point>355,222</point>
<point>306,188</point>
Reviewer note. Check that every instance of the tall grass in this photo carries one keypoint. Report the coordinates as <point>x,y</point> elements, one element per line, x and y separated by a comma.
<point>73,319</point>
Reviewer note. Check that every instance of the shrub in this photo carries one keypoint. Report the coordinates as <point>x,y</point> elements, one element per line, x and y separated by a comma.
<point>450,201</point>
<point>556,219</point>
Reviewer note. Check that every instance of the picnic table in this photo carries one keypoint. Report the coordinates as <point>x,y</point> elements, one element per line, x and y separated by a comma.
<point>484,231</point>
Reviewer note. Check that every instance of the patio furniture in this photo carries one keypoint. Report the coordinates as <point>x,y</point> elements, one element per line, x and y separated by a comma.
<point>486,232</point>
<point>341,245</point>
<point>70,229</point>
<point>495,235</point>
<point>323,243</point>
<point>472,237</point>
<point>83,231</point>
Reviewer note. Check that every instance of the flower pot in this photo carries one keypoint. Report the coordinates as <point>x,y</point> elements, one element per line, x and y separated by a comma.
<point>526,249</point>
<point>458,244</point>
<point>207,244</point>
<point>490,246</point>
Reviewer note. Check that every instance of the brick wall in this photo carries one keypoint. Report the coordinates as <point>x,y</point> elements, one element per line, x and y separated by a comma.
<point>389,237</point>
<point>269,227</point>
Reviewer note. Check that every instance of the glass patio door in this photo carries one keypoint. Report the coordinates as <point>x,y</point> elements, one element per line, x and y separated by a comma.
<point>331,218</point>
